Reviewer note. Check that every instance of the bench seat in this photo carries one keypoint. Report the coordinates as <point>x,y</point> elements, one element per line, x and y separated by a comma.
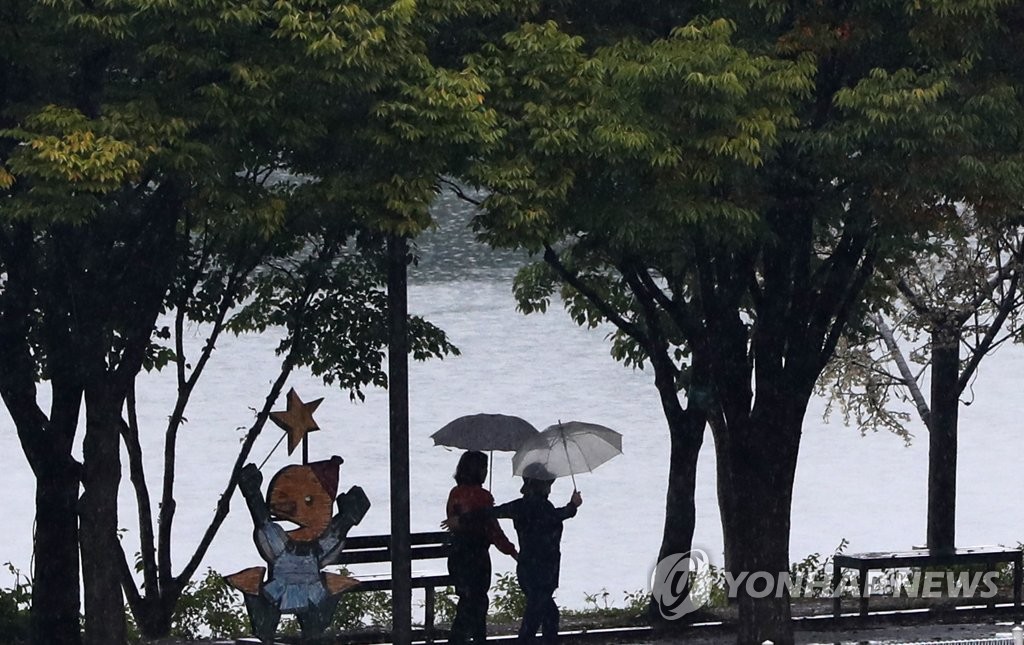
<point>989,556</point>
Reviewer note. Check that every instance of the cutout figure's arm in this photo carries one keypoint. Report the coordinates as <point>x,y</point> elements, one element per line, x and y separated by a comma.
<point>249,481</point>
<point>352,507</point>
<point>269,537</point>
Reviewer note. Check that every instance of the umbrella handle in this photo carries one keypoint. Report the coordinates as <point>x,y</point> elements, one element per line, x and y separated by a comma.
<point>565,446</point>
<point>490,474</point>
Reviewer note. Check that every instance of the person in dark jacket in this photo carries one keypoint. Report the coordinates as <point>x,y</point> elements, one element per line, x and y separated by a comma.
<point>538,524</point>
<point>469,562</point>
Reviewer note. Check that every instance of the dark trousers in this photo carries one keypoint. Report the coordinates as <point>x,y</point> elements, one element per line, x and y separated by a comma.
<point>470,569</point>
<point>541,613</point>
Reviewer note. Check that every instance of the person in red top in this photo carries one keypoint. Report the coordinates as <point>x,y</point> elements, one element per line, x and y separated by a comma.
<point>469,563</point>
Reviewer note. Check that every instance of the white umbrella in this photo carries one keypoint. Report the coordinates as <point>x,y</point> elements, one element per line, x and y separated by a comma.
<point>565,449</point>
<point>489,432</point>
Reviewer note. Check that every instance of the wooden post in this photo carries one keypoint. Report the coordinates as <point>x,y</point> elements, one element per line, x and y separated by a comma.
<point>398,398</point>
<point>837,599</point>
<point>428,614</point>
<point>942,439</point>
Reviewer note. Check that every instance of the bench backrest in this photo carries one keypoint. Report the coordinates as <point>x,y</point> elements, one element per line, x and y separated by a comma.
<point>377,548</point>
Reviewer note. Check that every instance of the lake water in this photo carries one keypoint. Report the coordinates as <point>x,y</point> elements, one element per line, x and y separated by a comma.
<point>870,490</point>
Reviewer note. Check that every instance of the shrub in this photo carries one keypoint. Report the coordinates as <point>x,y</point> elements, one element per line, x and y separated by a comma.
<point>637,602</point>
<point>210,608</point>
<point>445,602</point>
<point>14,607</point>
<point>509,600</point>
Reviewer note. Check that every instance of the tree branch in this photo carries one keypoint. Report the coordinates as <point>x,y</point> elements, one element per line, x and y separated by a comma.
<point>1010,270</point>
<point>916,302</point>
<point>594,298</point>
<point>17,376</point>
<point>461,194</point>
<point>1006,306</point>
<point>137,473</point>
<point>311,287</point>
<point>127,579</point>
<point>851,295</point>
<point>901,364</point>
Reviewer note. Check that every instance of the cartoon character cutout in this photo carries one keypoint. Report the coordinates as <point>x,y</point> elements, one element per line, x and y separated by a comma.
<point>293,582</point>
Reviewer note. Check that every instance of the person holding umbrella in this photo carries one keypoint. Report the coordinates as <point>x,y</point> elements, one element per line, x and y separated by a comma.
<point>469,562</point>
<point>538,524</point>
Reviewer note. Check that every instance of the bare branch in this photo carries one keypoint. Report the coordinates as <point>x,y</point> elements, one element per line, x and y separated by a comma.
<point>461,194</point>
<point>901,363</point>
<point>137,473</point>
<point>850,295</point>
<point>127,580</point>
<point>224,504</point>
<point>312,285</point>
<point>987,343</point>
<point>609,312</point>
<point>915,300</point>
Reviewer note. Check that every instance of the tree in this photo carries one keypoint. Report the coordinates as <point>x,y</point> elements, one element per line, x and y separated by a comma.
<point>962,293</point>
<point>723,191</point>
<point>311,282</point>
<point>130,129</point>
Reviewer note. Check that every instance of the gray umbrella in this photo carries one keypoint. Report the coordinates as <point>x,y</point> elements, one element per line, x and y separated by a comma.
<point>565,449</point>
<point>488,432</point>
<point>485,432</point>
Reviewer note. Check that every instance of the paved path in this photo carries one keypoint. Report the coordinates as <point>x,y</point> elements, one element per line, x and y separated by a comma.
<point>869,636</point>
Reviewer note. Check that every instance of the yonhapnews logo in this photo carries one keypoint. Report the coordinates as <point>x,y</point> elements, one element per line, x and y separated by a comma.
<point>681,583</point>
<point>676,583</point>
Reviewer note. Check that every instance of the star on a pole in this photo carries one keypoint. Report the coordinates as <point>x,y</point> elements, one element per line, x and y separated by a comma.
<point>297,420</point>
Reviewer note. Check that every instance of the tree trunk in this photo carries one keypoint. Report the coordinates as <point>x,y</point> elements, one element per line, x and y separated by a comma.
<point>46,442</point>
<point>942,439</point>
<point>759,483</point>
<point>726,511</point>
<point>680,507</point>
<point>153,614</point>
<point>104,601</point>
<point>686,436</point>
<point>56,603</point>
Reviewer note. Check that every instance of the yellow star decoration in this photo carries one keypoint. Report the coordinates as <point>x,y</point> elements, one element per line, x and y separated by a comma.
<point>297,420</point>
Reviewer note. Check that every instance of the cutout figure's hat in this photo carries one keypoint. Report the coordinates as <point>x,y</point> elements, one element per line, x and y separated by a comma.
<point>326,473</point>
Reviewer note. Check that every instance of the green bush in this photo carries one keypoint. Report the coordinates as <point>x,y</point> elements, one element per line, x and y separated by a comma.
<point>363,609</point>
<point>445,602</point>
<point>597,602</point>
<point>14,607</point>
<point>210,607</point>
<point>599,606</point>
<point>509,600</point>
<point>637,602</point>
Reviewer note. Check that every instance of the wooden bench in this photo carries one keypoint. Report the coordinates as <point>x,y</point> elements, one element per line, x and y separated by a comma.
<point>368,549</point>
<point>990,556</point>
